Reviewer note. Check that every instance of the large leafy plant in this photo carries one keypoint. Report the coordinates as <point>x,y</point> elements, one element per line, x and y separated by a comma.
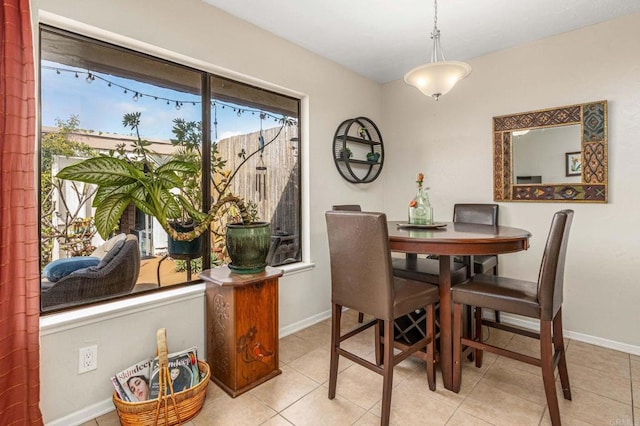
<point>167,190</point>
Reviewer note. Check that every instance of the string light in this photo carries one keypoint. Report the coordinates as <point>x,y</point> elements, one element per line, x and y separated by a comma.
<point>90,77</point>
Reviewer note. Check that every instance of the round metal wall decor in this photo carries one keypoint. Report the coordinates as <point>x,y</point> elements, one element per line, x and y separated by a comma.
<point>358,152</point>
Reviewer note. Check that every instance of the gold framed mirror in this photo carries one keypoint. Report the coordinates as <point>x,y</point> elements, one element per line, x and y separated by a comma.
<point>566,155</point>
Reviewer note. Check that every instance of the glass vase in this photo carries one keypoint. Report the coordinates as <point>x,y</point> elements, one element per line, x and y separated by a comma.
<point>420,211</point>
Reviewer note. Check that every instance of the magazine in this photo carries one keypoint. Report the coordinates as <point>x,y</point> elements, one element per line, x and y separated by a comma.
<point>183,372</point>
<point>134,381</point>
<point>119,389</point>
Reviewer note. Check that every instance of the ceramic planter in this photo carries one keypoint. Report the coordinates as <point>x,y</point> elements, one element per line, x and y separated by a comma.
<point>248,246</point>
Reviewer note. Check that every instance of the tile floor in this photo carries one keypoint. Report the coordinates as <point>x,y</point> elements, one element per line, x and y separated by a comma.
<point>605,388</point>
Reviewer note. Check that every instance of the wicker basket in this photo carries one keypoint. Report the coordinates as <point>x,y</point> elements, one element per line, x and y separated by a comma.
<point>184,405</point>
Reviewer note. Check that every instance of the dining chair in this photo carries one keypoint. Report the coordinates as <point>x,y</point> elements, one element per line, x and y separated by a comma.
<point>541,300</point>
<point>347,207</point>
<point>350,208</point>
<point>362,279</point>
<point>481,214</point>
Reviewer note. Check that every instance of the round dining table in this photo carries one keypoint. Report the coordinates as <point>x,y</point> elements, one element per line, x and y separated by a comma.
<point>448,239</point>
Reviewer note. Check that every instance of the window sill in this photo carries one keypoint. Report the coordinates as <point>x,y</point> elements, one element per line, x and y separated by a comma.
<point>55,323</point>
<point>295,268</point>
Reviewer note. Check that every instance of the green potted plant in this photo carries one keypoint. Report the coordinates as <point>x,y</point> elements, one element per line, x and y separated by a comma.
<point>169,191</point>
<point>345,153</point>
<point>373,157</point>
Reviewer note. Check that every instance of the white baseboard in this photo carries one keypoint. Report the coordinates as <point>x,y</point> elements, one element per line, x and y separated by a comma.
<point>580,337</point>
<point>307,322</point>
<point>85,415</point>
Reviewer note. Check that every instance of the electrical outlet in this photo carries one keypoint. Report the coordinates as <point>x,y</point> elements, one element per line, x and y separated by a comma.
<point>88,359</point>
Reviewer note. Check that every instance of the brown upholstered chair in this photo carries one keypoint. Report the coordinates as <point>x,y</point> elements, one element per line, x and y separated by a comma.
<point>350,208</point>
<point>541,300</point>
<point>482,214</point>
<point>347,207</point>
<point>362,279</point>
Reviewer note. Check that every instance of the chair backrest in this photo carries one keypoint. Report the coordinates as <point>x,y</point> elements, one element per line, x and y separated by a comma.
<point>361,271</point>
<point>347,207</point>
<point>551,277</point>
<point>482,214</point>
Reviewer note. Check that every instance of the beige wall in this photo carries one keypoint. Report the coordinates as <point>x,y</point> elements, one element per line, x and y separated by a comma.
<point>201,36</point>
<point>451,142</point>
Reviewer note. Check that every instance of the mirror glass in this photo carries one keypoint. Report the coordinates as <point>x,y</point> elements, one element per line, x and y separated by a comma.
<point>539,154</point>
<point>557,154</point>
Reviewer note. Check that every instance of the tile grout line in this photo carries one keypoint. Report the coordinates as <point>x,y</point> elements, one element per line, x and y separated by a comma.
<point>477,383</point>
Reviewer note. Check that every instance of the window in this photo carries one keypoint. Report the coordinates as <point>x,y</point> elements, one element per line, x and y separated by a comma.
<point>98,100</point>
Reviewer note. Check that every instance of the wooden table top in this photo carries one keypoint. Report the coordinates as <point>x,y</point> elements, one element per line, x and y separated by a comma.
<point>458,239</point>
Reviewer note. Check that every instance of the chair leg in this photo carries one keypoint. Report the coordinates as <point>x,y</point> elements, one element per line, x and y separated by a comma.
<point>431,346</point>
<point>360,317</point>
<point>546,357</point>
<point>468,329</point>
<point>478,335</point>
<point>387,375</point>
<point>496,313</point>
<point>558,344</point>
<point>335,344</point>
<point>457,347</point>
<point>379,344</point>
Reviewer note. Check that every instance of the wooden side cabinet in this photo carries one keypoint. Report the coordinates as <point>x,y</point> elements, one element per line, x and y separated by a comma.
<point>242,328</point>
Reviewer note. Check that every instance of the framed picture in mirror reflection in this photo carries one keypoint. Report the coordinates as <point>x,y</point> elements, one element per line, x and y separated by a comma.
<point>573,163</point>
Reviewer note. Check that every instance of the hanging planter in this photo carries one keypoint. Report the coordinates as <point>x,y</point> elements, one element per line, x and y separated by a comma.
<point>248,246</point>
<point>192,248</point>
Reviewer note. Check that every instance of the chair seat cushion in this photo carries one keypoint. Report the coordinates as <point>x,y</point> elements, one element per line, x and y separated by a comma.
<point>427,270</point>
<point>499,293</point>
<point>482,264</point>
<point>60,268</point>
<point>411,295</point>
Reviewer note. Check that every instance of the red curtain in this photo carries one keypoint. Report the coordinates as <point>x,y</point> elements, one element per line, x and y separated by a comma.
<point>19,247</point>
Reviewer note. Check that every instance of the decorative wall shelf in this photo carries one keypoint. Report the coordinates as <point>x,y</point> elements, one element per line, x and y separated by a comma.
<point>358,152</point>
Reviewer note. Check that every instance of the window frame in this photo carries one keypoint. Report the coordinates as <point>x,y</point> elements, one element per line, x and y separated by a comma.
<point>111,40</point>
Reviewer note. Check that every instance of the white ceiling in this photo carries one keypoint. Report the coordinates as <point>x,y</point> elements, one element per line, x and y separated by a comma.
<point>383,39</point>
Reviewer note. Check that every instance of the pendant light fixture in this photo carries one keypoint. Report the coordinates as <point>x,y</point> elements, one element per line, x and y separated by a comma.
<point>438,77</point>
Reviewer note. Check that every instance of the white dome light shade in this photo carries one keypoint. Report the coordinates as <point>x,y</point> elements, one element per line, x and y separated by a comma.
<point>437,78</point>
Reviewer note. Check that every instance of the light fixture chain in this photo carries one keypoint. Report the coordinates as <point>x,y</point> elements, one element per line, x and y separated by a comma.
<point>435,15</point>
<point>436,53</point>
